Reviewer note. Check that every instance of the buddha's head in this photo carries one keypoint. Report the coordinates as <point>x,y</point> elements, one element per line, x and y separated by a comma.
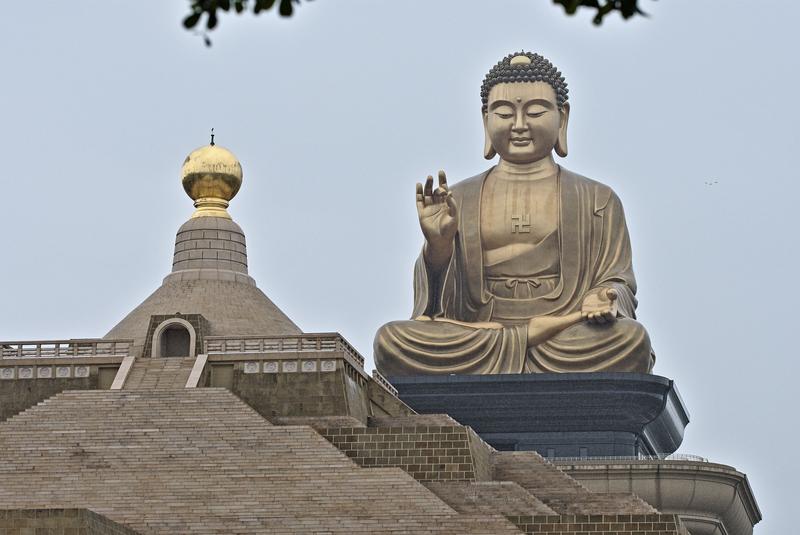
<point>525,109</point>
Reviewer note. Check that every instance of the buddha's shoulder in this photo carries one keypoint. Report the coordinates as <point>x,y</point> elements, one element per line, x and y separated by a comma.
<point>601,193</point>
<point>468,187</point>
<point>469,183</point>
<point>586,182</point>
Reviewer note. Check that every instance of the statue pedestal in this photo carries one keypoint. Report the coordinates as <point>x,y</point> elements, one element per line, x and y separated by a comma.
<point>558,415</point>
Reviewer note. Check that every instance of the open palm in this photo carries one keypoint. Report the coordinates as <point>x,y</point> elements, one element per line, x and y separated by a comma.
<point>437,212</point>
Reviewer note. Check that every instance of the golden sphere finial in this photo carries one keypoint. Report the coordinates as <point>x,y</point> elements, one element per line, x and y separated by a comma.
<point>211,176</point>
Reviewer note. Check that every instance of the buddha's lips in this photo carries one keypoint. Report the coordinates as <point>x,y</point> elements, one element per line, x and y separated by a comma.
<point>521,140</point>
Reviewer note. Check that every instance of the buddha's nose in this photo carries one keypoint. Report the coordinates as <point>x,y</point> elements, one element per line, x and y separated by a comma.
<point>519,123</point>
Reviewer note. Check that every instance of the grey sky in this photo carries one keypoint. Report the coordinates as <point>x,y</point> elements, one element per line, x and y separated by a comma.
<point>337,112</point>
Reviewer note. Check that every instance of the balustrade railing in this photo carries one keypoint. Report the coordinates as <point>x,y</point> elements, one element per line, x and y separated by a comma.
<point>65,348</point>
<point>671,457</point>
<point>300,343</point>
<point>381,380</point>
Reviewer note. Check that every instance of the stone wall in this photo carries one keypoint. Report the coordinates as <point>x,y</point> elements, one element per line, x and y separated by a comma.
<point>384,403</point>
<point>295,393</point>
<point>100,525</point>
<point>427,453</point>
<point>316,385</point>
<point>356,393</point>
<point>489,498</point>
<point>33,384</point>
<point>481,456</point>
<point>318,422</point>
<point>413,420</point>
<point>58,522</point>
<point>653,524</point>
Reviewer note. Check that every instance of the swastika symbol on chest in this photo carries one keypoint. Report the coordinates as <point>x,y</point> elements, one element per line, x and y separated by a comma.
<point>521,224</point>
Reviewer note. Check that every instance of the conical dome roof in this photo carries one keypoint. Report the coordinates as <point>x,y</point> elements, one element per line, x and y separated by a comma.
<point>209,269</point>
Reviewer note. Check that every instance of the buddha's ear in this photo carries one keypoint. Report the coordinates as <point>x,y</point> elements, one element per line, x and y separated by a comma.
<point>561,142</point>
<point>488,150</point>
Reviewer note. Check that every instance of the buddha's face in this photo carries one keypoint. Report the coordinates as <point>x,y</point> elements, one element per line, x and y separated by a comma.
<point>523,121</point>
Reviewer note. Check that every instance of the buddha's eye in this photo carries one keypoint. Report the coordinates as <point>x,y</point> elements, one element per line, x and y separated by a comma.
<point>535,112</point>
<point>504,112</point>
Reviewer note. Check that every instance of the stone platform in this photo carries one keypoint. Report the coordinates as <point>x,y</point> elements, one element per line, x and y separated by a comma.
<point>558,415</point>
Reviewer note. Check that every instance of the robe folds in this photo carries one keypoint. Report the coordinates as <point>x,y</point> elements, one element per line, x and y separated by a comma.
<point>487,334</point>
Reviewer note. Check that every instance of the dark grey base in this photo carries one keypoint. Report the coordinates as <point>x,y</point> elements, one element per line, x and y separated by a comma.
<point>558,415</point>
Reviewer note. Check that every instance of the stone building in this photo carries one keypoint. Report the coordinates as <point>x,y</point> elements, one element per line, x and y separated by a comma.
<point>207,410</point>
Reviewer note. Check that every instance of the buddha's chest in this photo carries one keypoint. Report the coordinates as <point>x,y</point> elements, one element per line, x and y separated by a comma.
<point>518,211</point>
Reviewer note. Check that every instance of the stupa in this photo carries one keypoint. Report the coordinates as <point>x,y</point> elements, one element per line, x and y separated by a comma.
<point>209,278</point>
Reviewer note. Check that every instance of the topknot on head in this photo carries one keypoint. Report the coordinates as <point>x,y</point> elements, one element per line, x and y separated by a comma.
<point>524,67</point>
<point>520,60</point>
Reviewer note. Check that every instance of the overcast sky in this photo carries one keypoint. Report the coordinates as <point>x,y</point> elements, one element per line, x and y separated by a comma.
<point>337,112</point>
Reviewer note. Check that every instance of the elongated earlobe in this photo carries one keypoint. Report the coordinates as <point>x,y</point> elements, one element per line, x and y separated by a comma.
<point>561,142</point>
<point>488,150</point>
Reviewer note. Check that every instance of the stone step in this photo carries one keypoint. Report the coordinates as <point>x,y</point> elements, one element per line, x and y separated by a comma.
<point>201,461</point>
<point>489,497</point>
<point>163,373</point>
<point>558,490</point>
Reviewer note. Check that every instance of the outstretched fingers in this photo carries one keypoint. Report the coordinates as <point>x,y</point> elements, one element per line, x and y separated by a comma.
<point>420,197</point>
<point>426,195</point>
<point>429,190</point>
<point>442,180</point>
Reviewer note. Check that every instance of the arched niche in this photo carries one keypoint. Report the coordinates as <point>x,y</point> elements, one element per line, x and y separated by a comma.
<point>174,337</point>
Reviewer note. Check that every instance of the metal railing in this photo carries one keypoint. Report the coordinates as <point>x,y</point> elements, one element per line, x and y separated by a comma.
<point>671,457</point>
<point>299,343</point>
<point>65,348</point>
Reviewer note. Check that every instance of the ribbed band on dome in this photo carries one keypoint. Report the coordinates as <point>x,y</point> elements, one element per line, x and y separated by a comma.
<point>210,248</point>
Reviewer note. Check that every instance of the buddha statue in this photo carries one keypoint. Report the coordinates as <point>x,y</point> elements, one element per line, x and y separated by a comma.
<point>526,267</point>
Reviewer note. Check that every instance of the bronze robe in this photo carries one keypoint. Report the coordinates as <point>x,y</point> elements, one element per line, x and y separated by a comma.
<point>594,252</point>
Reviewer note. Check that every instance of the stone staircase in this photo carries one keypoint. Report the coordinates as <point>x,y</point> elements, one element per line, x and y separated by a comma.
<point>201,461</point>
<point>471,476</point>
<point>557,490</point>
<point>489,497</point>
<point>159,374</point>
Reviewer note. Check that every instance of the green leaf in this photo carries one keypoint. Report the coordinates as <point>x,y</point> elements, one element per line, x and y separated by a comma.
<point>626,8</point>
<point>286,8</point>
<point>192,20</point>
<point>263,5</point>
<point>212,20</point>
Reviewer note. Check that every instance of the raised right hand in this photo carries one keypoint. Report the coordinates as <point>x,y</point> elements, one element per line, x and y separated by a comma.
<point>438,216</point>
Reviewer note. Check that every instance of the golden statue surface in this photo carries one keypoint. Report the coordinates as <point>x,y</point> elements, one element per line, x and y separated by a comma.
<point>526,267</point>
